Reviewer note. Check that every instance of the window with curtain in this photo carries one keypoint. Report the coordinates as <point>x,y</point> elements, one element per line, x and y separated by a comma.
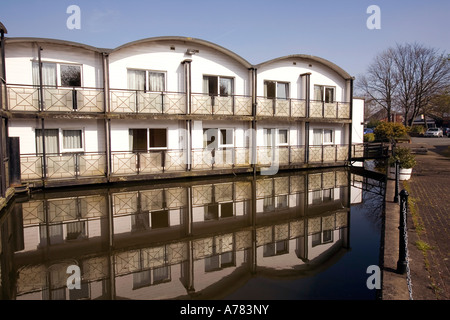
<point>282,90</point>
<point>72,140</point>
<point>322,136</point>
<point>317,137</point>
<point>156,81</point>
<point>327,136</point>
<point>136,79</point>
<point>216,85</point>
<point>282,137</point>
<point>268,137</point>
<point>276,90</point>
<point>51,141</point>
<point>324,93</point>
<point>48,74</point>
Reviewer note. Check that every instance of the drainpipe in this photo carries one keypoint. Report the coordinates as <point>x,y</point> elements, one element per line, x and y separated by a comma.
<point>350,138</point>
<point>2,138</point>
<point>307,91</point>
<point>188,91</point>
<point>41,109</point>
<point>106,107</point>
<point>254,127</point>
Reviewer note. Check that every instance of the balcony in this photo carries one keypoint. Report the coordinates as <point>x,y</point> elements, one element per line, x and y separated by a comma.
<point>297,108</point>
<point>144,102</point>
<point>22,98</point>
<point>221,105</point>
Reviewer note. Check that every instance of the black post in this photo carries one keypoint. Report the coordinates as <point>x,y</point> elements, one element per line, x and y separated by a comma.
<point>397,180</point>
<point>401,263</point>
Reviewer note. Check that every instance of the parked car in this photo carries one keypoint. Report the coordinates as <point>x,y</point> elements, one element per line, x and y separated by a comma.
<point>368,130</point>
<point>434,132</point>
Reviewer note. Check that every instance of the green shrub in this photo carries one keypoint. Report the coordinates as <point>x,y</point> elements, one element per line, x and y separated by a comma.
<point>406,159</point>
<point>417,130</point>
<point>369,137</point>
<point>387,131</point>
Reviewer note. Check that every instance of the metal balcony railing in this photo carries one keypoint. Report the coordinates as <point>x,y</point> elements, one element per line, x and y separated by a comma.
<point>82,99</point>
<point>221,105</point>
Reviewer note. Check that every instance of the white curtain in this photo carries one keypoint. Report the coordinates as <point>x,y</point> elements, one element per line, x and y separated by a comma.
<point>156,81</point>
<point>328,136</point>
<point>51,141</point>
<point>136,79</point>
<point>72,139</point>
<point>48,74</point>
<point>282,90</point>
<point>268,137</point>
<point>318,93</point>
<point>282,136</point>
<point>317,137</point>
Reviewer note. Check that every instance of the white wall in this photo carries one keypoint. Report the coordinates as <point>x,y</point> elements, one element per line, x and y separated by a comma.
<point>358,121</point>
<point>19,58</point>
<point>286,71</point>
<point>120,132</point>
<point>158,56</point>
<point>93,133</point>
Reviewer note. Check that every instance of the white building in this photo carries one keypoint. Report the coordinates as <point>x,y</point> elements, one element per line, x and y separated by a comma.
<point>169,107</point>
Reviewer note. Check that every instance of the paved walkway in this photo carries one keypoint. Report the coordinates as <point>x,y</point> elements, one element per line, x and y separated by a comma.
<point>428,230</point>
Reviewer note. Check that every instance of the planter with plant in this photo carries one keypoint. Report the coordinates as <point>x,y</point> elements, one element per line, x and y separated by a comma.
<point>406,163</point>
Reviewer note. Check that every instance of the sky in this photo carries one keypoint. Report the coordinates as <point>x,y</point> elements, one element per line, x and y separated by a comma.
<point>257,30</point>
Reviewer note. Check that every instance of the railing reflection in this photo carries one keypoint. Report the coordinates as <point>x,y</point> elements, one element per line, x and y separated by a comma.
<point>161,242</point>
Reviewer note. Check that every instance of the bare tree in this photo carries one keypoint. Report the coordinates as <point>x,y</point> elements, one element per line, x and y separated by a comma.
<point>421,73</point>
<point>379,83</point>
<point>405,77</point>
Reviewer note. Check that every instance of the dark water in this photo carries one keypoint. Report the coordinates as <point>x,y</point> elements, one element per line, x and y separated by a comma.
<point>297,235</point>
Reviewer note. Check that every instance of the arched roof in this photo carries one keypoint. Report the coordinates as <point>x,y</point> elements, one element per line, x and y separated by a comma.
<point>194,41</point>
<point>56,41</point>
<point>322,61</point>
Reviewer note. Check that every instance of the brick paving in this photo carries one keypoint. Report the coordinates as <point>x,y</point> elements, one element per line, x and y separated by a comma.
<point>429,189</point>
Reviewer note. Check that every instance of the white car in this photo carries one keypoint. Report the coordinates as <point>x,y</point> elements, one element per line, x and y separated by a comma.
<point>434,132</point>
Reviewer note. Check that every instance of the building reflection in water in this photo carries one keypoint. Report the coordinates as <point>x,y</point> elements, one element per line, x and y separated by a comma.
<point>200,239</point>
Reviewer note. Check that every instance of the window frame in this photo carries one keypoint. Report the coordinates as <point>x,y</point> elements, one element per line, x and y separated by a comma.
<point>61,140</point>
<point>219,77</point>
<point>277,82</point>
<point>58,77</point>
<point>323,93</point>
<point>323,143</point>
<point>148,148</point>
<point>219,143</point>
<point>147,79</point>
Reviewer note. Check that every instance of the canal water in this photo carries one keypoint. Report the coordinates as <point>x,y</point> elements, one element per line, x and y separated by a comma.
<point>295,235</point>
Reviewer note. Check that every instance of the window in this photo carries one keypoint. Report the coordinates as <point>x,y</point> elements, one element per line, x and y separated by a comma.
<point>270,134</point>
<point>282,137</point>
<point>156,81</point>
<point>48,74</point>
<point>158,138</point>
<point>323,93</point>
<point>51,141</point>
<point>72,140</point>
<point>275,248</point>
<point>144,139</point>
<point>276,90</point>
<point>218,138</point>
<point>322,136</point>
<point>217,85</point>
<point>137,80</point>
<point>70,75</point>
